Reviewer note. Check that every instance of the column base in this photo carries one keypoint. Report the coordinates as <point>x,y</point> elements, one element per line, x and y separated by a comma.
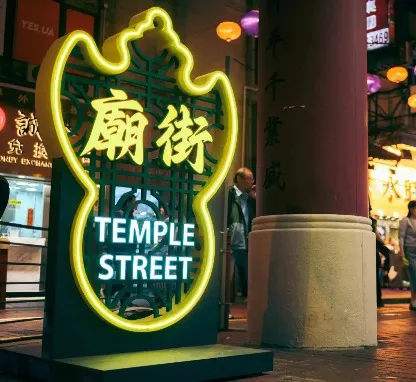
<point>312,281</point>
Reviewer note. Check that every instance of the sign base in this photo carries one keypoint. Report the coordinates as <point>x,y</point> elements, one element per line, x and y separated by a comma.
<point>195,363</point>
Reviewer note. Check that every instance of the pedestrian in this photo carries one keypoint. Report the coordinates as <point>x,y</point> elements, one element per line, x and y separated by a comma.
<point>380,249</point>
<point>241,212</point>
<point>407,239</point>
<point>4,194</point>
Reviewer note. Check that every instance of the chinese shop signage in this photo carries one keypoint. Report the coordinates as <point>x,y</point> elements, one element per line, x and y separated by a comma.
<point>22,150</point>
<point>380,23</point>
<point>169,139</point>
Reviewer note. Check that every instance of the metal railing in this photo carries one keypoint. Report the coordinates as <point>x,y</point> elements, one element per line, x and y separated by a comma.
<point>22,306</point>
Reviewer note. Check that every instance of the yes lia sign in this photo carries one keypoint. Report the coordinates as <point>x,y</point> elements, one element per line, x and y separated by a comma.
<point>150,144</point>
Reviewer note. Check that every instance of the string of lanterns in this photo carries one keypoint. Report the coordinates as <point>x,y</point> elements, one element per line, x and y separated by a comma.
<point>230,30</point>
<point>396,74</point>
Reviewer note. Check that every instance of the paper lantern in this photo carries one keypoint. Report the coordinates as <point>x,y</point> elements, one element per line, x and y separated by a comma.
<point>397,74</point>
<point>2,119</point>
<point>373,83</point>
<point>412,101</point>
<point>250,23</point>
<point>228,31</point>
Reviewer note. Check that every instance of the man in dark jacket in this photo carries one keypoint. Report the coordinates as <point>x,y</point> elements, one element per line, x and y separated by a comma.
<point>241,212</point>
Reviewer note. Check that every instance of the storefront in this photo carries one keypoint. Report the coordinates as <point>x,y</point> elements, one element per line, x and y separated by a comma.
<point>392,184</point>
<point>25,164</point>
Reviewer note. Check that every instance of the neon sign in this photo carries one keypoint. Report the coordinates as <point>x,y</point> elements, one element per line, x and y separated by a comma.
<point>115,129</point>
<point>176,139</point>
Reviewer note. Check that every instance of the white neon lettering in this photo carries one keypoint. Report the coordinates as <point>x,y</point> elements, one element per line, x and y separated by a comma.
<point>141,267</point>
<point>102,221</point>
<point>155,267</point>
<point>107,267</point>
<point>117,230</point>
<point>172,232</point>
<point>137,233</point>
<point>123,260</point>
<point>188,234</point>
<point>160,229</point>
<point>149,232</point>
<point>185,260</point>
<point>169,267</point>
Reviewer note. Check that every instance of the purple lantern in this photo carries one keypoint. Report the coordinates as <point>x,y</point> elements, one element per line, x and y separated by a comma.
<point>373,83</point>
<point>250,23</point>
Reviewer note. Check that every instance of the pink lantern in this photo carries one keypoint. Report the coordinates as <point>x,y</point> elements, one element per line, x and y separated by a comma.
<point>373,83</point>
<point>2,119</point>
<point>250,23</point>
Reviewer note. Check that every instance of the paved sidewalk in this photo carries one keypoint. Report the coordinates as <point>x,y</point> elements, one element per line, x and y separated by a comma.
<point>395,296</point>
<point>389,296</point>
<point>392,360</point>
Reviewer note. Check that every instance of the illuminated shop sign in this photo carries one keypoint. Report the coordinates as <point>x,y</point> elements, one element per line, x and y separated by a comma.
<point>159,143</point>
<point>380,23</point>
<point>21,147</point>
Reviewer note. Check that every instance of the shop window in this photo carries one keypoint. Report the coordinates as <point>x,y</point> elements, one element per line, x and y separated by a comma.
<point>26,206</point>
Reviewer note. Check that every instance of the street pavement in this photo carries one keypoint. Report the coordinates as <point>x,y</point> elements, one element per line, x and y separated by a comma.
<point>393,360</point>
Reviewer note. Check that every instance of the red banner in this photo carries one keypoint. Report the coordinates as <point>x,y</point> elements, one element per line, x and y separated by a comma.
<point>36,28</point>
<point>79,21</point>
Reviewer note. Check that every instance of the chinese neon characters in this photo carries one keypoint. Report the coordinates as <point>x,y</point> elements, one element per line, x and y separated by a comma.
<point>179,138</point>
<point>119,127</point>
<point>119,124</point>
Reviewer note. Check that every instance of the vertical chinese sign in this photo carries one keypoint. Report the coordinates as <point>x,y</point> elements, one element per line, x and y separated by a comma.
<point>271,122</point>
<point>380,23</point>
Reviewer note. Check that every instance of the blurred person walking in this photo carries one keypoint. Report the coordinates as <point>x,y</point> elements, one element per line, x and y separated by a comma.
<point>241,212</point>
<point>407,239</point>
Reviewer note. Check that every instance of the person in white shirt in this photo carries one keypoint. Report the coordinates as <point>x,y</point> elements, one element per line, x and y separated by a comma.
<point>407,239</point>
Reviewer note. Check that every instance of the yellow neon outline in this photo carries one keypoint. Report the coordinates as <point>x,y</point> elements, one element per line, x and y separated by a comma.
<point>116,60</point>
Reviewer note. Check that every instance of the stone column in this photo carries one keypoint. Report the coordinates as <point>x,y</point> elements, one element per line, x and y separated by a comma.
<point>312,267</point>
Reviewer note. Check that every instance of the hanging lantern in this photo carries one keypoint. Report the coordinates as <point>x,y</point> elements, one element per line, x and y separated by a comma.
<point>250,23</point>
<point>412,101</point>
<point>373,83</point>
<point>2,119</point>
<point>228,31</point>
<point>397,74</point>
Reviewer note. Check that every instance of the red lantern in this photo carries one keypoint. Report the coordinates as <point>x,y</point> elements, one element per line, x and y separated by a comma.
<point>2,119</point>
